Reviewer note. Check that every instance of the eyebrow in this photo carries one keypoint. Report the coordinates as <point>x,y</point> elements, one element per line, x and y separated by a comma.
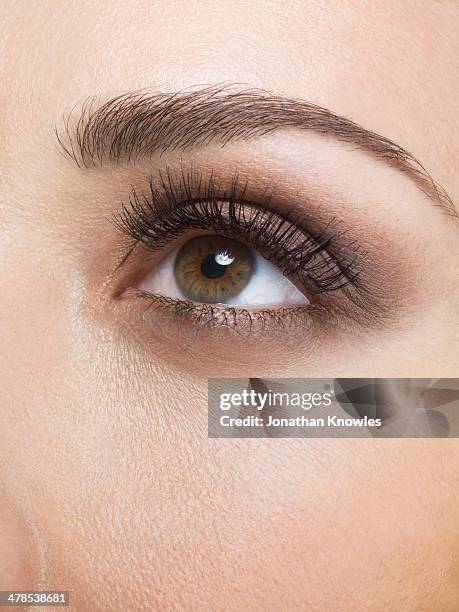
<point>139,124</point>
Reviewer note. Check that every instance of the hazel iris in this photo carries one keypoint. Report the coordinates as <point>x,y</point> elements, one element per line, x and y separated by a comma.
<point>213,269</point>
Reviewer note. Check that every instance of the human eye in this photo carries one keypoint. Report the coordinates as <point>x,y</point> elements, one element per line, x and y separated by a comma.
<point>215,269</point>
<point>220,256</point>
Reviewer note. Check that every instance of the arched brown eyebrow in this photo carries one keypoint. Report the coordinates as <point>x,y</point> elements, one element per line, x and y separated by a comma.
<point>139,124</point>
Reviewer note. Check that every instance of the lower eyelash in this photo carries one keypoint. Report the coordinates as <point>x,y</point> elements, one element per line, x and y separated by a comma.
<point>241,321</point>
<point>176,205</point>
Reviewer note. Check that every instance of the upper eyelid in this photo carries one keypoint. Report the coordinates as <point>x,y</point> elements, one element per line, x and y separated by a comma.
<point>149,221</point>
<point>139,124</point>
<point>171,189</point>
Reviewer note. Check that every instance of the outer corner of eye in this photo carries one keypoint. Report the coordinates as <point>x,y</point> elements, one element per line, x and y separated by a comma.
<point>217,270</point>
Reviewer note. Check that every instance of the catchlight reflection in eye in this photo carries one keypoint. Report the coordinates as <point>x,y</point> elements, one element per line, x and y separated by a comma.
<point>214,269</point>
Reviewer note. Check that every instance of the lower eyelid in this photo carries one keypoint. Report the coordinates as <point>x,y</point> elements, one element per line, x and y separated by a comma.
<point>187,317</point>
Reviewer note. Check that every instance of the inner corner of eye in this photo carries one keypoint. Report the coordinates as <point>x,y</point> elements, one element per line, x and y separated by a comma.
<point>213,269</point>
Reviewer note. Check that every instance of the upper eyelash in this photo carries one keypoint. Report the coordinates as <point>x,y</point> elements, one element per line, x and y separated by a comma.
<point>189,201</point>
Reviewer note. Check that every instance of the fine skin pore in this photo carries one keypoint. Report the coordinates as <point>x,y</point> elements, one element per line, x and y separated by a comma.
<point>110,487</point>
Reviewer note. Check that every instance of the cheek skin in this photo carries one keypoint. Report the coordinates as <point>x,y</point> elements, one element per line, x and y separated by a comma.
<point>189,523</point>
<point>19,551</point>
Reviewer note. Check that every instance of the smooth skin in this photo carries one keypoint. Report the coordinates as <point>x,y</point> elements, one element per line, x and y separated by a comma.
<point>110,486</point>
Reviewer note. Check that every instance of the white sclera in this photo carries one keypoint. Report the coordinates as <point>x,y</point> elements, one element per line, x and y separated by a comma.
<point>267,288</point>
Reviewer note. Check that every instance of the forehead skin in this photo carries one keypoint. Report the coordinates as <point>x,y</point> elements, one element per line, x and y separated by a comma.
<point>178,522</point>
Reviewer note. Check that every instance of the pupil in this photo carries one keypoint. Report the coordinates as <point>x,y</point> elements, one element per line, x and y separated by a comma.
<point>211,268</point>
